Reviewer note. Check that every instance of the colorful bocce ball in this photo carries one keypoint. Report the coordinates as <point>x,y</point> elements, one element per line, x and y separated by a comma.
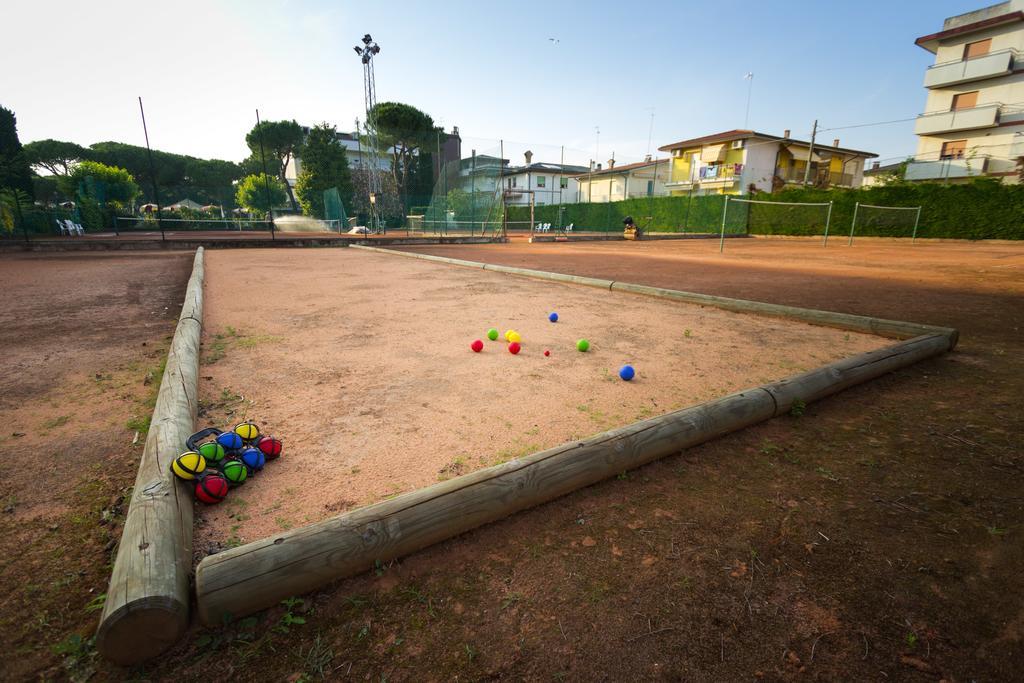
<point>271,446</point>
<point>211,488</point>
<point>230,441</point>
<point>492,334</point>
<point>583,345</point>
<point>508,333</point>
<point>253,458</point>
<point>553,317</point>
<point>235,472</point>
<point>187,465</point>
<point>546,352</point>
<point>514,348</point>
<point>626,372</point>
<point>477,345</point>
<point>514,336</point>
<point>212,452</point>
<point>248,431</point>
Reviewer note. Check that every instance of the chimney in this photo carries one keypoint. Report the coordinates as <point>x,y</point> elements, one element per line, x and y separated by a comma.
<point>455,131</point>
<point>875,165</point>
<point>835,143</point>
<point>785,134</point>
<point>611,163</point>
<point>529,157</point>
<point>647,158</point>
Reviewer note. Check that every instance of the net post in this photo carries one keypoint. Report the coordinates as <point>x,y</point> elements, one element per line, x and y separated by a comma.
<point>828,221</point>
<point>472,194</point>
<point>853,223</point>
<point>721,240</point>
<point>917,219</point>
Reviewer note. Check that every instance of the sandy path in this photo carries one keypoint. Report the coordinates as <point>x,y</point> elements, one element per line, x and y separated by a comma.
<point>361,363</point>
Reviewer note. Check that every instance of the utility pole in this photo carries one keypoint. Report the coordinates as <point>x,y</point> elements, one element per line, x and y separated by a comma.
<point>810,152</point>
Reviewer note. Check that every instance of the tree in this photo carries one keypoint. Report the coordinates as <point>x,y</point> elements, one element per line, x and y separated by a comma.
<point>15,172</point>
<point>252,193</point>
<point>55,156</point>
<point>405,129</point>
<point>100,183</point>
<point>324,165</point>
<point>281,140</point>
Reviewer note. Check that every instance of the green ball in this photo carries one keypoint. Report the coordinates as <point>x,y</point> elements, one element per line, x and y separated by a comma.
<point>235,472</point>
<point>212,451</point>
<point>582,345</point>
<point>492,334</point>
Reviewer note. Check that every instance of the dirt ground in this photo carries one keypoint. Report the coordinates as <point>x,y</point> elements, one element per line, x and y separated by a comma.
<point>83,340</point>
<point>376,397</point>
<point>877,536</point>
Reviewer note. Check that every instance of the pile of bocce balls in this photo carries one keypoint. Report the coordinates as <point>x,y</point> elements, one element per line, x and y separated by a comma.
<point>514,340</point>
<point>218,461</point>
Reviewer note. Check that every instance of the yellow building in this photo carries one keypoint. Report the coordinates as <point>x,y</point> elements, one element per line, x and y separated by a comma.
<point>973,120</point>
<point>745,161</point>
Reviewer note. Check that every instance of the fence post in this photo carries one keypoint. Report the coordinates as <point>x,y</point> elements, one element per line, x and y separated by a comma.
<point>725,210</point>
<point>917,219</point>
<point>853,223</point>
<point>828,221</point>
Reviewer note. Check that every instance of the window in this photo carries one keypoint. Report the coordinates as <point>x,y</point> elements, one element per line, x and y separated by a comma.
<point>954,149</point>
<point>977,49</point>
<point>563,183</point>
<point>542,181</point>
<point>965,100</point>
<point>513,182</point>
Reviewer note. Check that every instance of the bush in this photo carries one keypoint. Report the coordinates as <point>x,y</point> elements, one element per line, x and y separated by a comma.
<point>982,209</point>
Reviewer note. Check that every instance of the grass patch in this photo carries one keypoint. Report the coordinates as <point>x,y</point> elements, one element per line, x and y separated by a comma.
<point>56,422</point>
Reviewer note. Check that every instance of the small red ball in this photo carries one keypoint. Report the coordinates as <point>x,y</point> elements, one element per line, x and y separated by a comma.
<point>211,488</point>
<point>547,353</point>
<point>477,346</point>
<point>513,348</point>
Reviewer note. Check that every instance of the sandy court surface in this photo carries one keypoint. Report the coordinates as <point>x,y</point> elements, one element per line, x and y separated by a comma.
<point>361,363</point>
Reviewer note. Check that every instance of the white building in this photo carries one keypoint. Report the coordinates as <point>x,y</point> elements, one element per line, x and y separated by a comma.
<point>547,183</point>
<point>973,120</point>
<point>647,178</point>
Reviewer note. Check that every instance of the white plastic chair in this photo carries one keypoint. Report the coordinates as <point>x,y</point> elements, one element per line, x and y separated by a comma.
<point>568,228</point>
<point>60,226</point>
<point>73,228</point>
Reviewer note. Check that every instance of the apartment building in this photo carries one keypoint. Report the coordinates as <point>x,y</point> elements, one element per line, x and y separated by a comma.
<point>741,161</point>
<point>973,119</point>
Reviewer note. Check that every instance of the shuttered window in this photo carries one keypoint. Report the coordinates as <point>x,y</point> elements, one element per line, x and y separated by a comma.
<point>965,100</point>
<point>954,149</point>
<point>977,49</point>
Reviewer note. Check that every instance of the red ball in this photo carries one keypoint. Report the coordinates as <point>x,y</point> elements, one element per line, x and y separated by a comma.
<point>211,488</point>
<point>270,446</point>
<point>477,346</point>
<point>513,348</point>
<point>547,353</point>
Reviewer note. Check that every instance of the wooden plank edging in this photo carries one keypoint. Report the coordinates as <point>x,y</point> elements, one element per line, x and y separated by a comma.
<point>146,609</point>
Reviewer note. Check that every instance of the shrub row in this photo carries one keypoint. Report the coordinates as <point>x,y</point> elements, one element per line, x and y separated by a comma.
<point>983,209</point>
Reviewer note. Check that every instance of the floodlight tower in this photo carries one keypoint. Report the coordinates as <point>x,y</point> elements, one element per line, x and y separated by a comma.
<point>366,53</point>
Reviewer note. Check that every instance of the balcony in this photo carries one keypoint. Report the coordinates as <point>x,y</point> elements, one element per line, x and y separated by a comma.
<point>982,116</point>
<point>991,65</point>
<point>817,178</point>
<point>946,169</point>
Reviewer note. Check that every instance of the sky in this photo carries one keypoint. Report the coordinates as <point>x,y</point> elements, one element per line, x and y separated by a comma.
<point>586,76</point>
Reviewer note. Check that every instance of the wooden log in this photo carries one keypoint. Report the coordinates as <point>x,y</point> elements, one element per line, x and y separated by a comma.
<point>834,377</point>
<point>897,329</point>
<point>146,610</point>
<point>251,577</point>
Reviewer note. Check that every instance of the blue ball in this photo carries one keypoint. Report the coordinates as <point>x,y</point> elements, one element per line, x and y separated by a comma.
<point>553,317</point>
<point>626,372</point>
<point>254,459</point>
<point>230,441</point>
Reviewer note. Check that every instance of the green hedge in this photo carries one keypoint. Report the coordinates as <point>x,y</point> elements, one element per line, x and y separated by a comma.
<point>983,209</point>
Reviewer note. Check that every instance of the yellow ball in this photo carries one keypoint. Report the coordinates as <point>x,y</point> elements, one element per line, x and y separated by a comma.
<point>514,336</point>
<point>247,430</point>
<point>187,465</point>
<point>508,334</point>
